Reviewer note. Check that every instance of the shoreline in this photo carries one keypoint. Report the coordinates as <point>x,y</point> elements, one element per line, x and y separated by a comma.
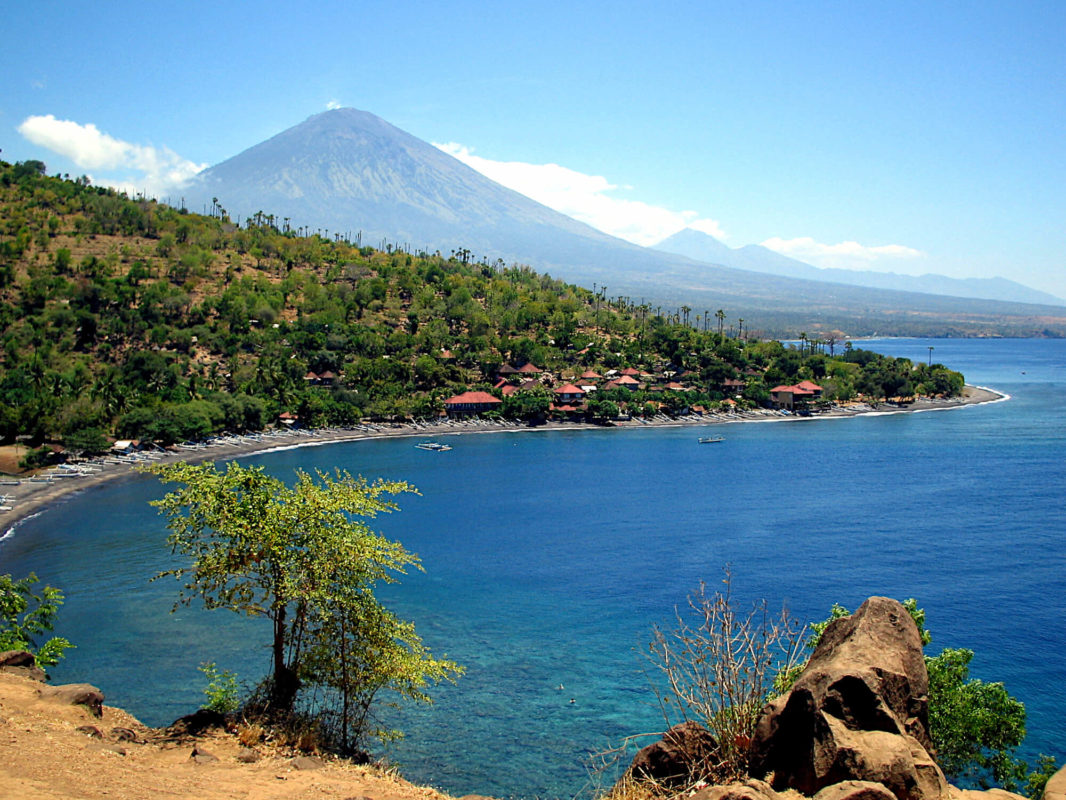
<point>29,498</point>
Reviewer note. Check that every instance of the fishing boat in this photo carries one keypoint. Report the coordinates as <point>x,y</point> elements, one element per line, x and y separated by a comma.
<point>711,439</point>
<point>434,446</point>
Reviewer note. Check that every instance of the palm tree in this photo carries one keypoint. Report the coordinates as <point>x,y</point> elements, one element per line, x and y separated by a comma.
<point>720,314</point>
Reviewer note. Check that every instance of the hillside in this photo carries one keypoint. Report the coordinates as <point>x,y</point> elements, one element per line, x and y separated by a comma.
<point>351,172</point>
<point>129,318</point>
<point>49,756</point>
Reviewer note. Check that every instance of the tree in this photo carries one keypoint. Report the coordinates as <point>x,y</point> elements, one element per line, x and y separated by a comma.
<point>301,557</point>
<point>24,616</point>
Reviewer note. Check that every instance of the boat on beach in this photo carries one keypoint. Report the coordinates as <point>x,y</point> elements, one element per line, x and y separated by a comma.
<point>711,439</point>
<point>434,446</point>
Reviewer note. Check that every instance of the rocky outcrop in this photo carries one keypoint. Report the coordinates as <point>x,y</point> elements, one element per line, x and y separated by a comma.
<point>1056,786</point>
<point>857,713</point>
<point>20,662</point>
<point>676,759</point>
<point>75,694</point>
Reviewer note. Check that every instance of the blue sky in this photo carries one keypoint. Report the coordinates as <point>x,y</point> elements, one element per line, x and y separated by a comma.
<point>900,136</point>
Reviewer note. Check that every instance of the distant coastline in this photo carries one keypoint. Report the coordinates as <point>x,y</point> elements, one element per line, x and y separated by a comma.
<point>29,499</point>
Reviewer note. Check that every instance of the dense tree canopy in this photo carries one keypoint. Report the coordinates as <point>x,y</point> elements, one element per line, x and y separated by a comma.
<point>126,317</point>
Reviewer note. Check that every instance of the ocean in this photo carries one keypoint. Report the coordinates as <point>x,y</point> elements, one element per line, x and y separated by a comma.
<point>549,556</point>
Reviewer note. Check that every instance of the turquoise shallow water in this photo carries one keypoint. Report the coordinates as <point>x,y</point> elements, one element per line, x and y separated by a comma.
<point>550,555</point>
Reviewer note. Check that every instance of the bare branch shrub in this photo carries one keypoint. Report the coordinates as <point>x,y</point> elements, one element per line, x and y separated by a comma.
<point>718,666</point>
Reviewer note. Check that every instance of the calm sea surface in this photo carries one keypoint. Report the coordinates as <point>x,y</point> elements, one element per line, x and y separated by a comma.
<point>550,555</point>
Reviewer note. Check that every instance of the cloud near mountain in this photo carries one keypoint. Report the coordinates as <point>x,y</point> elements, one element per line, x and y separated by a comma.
<point>586,198</point>
<point>158,169</point>
<point>844,255</point>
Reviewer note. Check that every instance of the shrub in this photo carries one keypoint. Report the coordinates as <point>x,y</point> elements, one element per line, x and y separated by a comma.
<point>719,667</point>
<point>24,616</point>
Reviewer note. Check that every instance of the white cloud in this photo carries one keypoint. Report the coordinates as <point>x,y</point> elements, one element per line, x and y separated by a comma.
<point>161,169</point>
<point>586,198</point>
<point>844,255</point>
<point>334,104</point>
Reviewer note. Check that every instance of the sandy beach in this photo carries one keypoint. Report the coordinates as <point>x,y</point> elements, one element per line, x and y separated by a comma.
<point>26,497</point>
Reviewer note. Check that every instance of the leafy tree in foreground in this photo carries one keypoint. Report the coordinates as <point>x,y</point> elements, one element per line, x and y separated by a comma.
<point>301,557</point>
<point>25,615</point>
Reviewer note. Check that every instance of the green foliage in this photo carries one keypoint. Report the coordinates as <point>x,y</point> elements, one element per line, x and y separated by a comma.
<point>302,557</point>
<point>26,615</point>
<point>165,318</point>
<point>976,726</point>
<point>222,692</point>
<point>36,458</point>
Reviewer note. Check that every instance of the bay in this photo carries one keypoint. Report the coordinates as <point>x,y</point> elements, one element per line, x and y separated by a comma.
<point>548,556</point>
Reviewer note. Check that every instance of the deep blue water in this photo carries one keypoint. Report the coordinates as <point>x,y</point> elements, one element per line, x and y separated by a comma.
<point>550,555</point>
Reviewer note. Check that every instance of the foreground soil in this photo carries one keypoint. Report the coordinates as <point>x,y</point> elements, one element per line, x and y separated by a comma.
<point>44,755</point>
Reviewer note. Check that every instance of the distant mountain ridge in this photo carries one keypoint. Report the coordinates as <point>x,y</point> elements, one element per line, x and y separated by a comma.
<point>757,258</point>
<point>349,172</point>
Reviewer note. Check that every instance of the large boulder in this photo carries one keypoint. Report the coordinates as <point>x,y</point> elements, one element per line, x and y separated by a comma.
<point>859,712</point>
<point>676,759</point>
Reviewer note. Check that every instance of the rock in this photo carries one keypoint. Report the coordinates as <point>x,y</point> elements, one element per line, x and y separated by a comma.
<point>75,694</point>
<point>855,790</point>
<point>1056,786</point>
<point>201,756</point>
<point>675,760</point>
<point>307,762</point>
<point>986,794</point>
<point>248,756</point>
<point>859,711</point>
<point>196,723</point>
<point>124,735</point>
<point>17,658</point>
<point>20,662</point>
<point>750,789</point>
<point>91,731</point>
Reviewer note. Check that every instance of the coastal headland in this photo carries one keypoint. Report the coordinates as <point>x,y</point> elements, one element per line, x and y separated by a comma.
<point>27,497</point>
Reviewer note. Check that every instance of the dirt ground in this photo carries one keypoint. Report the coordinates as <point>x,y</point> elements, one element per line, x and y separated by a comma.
<point>43,755</point>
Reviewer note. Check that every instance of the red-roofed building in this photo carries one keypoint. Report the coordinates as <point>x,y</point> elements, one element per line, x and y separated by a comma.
<point>810,387</point>
<point>507,389</point>
<point>471,403</point>
<point>569,394</point>
<point>791,396</point>
<point>590,375</point>
<point>631,372</point>
<point>628,382</point>
<point>529,369</point>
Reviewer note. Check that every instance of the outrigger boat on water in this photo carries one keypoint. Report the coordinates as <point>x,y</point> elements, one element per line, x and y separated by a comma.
<point>435,446</point>
<point>711,439</point>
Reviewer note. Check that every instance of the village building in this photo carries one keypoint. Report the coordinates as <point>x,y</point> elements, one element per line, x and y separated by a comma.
<point>790,397</point>
<point>569,394</point>
<point>471,403</point>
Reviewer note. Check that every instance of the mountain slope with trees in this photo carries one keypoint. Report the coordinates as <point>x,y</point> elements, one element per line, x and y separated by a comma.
<point>126,317</point>
<point>347,170</point>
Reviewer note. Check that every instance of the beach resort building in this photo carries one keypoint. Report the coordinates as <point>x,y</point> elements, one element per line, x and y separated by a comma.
<point>471,403</point>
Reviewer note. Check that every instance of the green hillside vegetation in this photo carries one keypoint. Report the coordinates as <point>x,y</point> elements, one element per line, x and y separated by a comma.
<point>126,317</point>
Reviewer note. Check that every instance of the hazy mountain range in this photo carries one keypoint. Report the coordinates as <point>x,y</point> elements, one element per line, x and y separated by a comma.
<point>704,247</point>
<point>350,172</point>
